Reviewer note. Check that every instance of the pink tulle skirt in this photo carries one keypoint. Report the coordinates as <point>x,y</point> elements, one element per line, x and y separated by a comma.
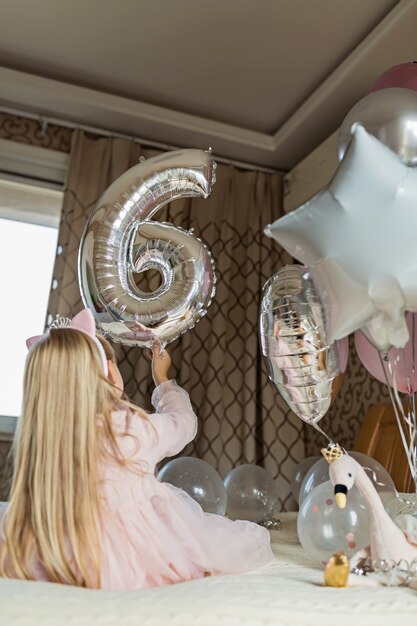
<point>164,537</point>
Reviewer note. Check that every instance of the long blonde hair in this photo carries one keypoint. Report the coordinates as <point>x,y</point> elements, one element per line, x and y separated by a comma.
<point>65,428</point>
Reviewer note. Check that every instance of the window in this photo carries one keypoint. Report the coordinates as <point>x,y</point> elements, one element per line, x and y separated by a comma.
<point>29,220</point>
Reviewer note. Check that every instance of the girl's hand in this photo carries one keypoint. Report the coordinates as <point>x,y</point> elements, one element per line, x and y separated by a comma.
<point>161,362</point>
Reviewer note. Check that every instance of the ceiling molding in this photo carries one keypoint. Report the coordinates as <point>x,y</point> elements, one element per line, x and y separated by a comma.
<point>392,41</point>
<point>114,113</point>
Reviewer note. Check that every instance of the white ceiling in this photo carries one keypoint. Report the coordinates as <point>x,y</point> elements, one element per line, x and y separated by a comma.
<point>260,80</point>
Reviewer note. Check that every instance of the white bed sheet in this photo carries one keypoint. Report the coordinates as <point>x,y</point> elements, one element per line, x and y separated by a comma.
<point>287,592</point>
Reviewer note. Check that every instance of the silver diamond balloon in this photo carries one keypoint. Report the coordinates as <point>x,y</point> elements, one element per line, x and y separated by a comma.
<point>302,366</point>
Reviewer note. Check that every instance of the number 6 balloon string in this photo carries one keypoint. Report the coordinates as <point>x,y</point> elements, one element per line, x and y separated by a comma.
<point>121,241</point>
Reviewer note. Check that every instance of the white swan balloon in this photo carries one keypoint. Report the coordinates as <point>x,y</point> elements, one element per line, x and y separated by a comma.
<point>388,542</point>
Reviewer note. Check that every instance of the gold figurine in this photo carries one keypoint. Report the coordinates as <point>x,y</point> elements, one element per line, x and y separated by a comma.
<point>336,572</point>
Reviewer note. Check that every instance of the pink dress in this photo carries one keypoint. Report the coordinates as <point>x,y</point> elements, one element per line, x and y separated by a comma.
<point>155,534</point>
<point>152,533</point>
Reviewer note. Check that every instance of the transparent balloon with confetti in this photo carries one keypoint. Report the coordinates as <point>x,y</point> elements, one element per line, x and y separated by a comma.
<point>324,528</point>
<point>199,479</point>
<point>382,481</point>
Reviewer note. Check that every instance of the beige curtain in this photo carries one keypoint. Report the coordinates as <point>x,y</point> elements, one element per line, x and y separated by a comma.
<point>219,363</point>
<point>268,432</point>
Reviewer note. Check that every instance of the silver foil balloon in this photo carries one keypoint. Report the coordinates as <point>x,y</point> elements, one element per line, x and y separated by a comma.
<point>121,241</point>
<point>391,116</point>
<point>305,370</point>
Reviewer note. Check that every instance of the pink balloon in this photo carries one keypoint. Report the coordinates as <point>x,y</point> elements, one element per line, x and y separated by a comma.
<point>401,359</point>
<point>403,75</point>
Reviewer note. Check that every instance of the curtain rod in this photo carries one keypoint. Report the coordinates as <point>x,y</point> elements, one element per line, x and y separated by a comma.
<point>45,120</point>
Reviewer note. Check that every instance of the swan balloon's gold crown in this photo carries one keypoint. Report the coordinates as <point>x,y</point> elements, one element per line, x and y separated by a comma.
<point>332,452</point>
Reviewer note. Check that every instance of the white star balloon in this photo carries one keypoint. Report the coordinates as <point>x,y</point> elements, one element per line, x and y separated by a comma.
<point>359,238</point>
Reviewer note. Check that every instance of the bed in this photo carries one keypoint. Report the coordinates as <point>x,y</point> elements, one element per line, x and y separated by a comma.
<point>287,592</point>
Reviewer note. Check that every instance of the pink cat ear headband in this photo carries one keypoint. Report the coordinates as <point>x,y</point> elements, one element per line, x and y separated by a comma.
<point>84,322</point>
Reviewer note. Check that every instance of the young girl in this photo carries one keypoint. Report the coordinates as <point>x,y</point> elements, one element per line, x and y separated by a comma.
<point>85,507</point>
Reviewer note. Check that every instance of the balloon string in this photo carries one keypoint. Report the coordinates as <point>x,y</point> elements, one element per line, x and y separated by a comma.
<point>411,421</point>
<point>413,345</point>
<point>413,435</point>
<point>410,448</point>
<point>322,432</point>
<point>394,397</point>
<point>413,397</point>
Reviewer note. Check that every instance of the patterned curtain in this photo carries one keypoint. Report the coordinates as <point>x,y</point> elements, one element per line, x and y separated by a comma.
<point>219,362</point>
<point>23,130</point>
<point>241,417</point>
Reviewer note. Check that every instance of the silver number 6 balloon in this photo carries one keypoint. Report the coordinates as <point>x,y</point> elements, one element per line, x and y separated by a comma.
<point>121,240</point>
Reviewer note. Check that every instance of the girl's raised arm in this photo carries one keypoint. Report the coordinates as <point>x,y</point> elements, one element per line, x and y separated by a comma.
<point>175,423</point>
